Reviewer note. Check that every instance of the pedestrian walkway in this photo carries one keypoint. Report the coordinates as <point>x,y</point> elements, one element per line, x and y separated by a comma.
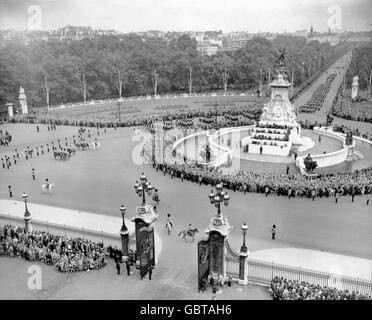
<point>318,261</point>
<point>106,284</point>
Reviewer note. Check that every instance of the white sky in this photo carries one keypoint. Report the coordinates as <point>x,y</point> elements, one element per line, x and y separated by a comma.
<point>179,15</point>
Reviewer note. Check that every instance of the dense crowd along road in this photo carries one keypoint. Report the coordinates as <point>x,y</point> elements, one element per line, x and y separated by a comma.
<point>284,289</point>
<point>358,182</point>
<point>67,254</point>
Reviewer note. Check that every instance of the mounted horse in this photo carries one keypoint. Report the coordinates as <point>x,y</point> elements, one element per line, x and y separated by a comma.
<point>47,187</point>
<point>188,233</point>
<point>169,227</point>
<point>71,150</point>
<point>29,152</point>
<point>95,145</point>
<point>82,145</point>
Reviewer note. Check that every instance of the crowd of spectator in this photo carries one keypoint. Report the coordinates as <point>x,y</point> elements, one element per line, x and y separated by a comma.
<point>283,289</point>
<point>5,138</point>
<point>344,129</point>
<point>67,254</point>
<point>358,182</point>
<point>342,107</point>
<point>223,114</point>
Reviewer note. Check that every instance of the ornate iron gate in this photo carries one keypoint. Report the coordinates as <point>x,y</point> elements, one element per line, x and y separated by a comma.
<point>145,247</point>
<point>203,261</point>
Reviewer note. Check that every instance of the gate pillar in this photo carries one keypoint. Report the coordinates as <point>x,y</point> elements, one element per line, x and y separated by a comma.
<point>243,268</point>
<point>218,232</point>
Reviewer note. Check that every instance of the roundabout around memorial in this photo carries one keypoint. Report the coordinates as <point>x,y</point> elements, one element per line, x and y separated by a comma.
<point>101,180</point>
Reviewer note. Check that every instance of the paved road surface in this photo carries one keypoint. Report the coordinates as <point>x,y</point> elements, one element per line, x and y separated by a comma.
<point>101,180</point>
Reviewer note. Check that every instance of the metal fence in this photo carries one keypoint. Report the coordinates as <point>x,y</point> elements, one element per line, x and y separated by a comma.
<point>263,272</point>
<point>66,230</point>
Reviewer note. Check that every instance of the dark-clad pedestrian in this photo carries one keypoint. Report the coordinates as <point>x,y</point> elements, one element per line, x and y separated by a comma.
<point>273,232</point>
<point>150,271</point>
<point>2,161</point>
<point>128,267</point>
<point>287,170</point>
<point>266,190</point>
<point>10,192</point>
<point>33,174</point>
<point>214,294</point>
<point>118,266</point>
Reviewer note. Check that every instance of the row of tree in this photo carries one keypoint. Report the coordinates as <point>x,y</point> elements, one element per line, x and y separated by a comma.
<point>54,72</point>
<point>361,66</point>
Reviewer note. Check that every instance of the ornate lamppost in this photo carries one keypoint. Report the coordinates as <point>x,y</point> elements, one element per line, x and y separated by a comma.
<point>243,257</point>
<point>143,187</point>
<point>27,215</point>
<point>219,197</point>
<point>244,228</point>
<point>124,233</point>
<point>218,231</point>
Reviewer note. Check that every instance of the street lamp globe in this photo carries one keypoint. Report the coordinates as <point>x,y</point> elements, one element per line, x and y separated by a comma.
<point>123,210</point>
<point>139,190</point>
<point>150,188</point>
<point>143,177</point>
<point>216,200</point>
<point>136,185</point>
<point>226,199</point>
<point>211,197</point>
<point>244,228</point>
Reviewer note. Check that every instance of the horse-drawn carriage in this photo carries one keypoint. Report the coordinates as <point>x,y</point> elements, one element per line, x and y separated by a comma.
<point>82,145</point>
<point>63,155</point>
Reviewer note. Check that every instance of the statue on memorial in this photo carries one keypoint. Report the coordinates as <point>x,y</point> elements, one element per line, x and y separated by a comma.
<point>207,153</point>
<point>329,120</point>
<point>281,68</point>
<point>349,138</point>
<point>310,164</point>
